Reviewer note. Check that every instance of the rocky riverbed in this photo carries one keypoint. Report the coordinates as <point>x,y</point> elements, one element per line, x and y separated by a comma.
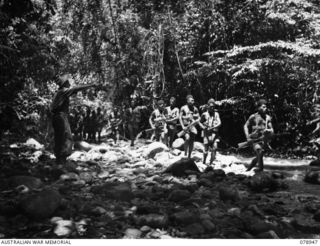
<point>149,191</point>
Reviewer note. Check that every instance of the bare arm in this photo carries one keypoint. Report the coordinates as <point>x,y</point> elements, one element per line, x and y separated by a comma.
<point>79,88</point>
<point>246,129</point>
<point>218,120</point>
<point>151,118</point>
<point>176,116</point>
<point>181,117</point>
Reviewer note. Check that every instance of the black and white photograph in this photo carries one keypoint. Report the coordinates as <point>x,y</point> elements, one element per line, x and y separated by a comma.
<point>159,119</point>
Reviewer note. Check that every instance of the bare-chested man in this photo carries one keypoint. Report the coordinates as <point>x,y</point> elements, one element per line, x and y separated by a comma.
<point>172,117</point>
<point>157,122</point>
<point>189,117</point>
<point>258,129</point>
<point>210,122</point>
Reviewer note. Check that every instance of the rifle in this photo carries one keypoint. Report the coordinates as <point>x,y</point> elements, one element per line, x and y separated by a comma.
<point>184,131</point>
<point>266,138</point>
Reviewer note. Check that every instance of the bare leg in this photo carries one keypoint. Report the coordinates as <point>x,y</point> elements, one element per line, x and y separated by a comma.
<point>253,163</point>
<point>186,144</point>
<point>190,147</point>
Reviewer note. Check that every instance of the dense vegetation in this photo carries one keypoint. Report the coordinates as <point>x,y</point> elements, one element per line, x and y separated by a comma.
<point>233,50</point>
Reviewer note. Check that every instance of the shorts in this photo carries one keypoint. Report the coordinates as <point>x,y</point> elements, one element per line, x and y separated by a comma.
<point>210,138</point>
<point>260,146</point>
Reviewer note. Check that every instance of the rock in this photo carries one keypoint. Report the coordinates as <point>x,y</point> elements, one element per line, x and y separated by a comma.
<point>315,163</point>
<point>165,159</point>
<point>234,211</point>
<point>64,228</point>
<point>182,167</point>
<point>229,194</point>
<point>257,226</point>
<point>165,237</point>
<point>263,182</point>
<point>154,148</point>
<point>312,177</point>
<point>268,235</point>
<point>86,176</point>
<point>205,182</point>
<point>208,225</point>
<point>103,174</point>
<point>277,175</point>
<point>83,146</point>
<point>69,177</point>
<point>132,233</point>
<point>99,211</point>
<point>184,217</point>
<point>28,181</point>
<point>115,190</point>
<point>153,220</point>
<point>41,205</point>
<point>195,229</point>
<point>178,143</point>
<point>306,224</point>
<point>32,143</point>
<point>198,147</point>
<point>179,195</point>
<point>145,229</point>
<point>54,220</point>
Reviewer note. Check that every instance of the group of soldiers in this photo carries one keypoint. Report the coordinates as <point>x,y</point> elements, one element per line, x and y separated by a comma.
<point>86,123</point>
<point>164,122</point>
<point>258,128</point>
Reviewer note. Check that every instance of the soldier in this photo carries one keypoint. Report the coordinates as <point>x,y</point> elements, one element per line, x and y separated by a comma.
<point>100,123</point>
<point>157,122</point>
<point>189,117</point>
<point>115,121</point>
<point>93,126</point>
<point>210,122</point>
<point>86,124</point>
<point>78,123</point>
<point>258,129</point>
<point>172,117</point>
<point>60,112</point>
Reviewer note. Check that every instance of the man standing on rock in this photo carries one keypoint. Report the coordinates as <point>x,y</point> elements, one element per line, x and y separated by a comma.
<point>60,113</point>
<point>157,122</point>
<point>210,122</point>
<point>258,130</point>
<point>189,117</point>
<point>172,117</point>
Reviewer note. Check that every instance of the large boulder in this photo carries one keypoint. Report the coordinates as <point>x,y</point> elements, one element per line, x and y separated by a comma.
<point>178,143</point>
<point>312,177</point>
<point>265,182</point>
<point>198,147</point>
<point>154,148</point>
<point>183,167</point>
<point>82,145</point>
<point>34,144</point>
<point>41,205</point>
